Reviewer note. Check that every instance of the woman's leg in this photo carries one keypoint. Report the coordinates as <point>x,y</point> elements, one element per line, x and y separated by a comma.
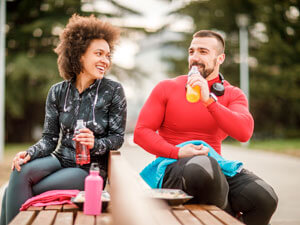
<point>20,183</point>
<point>3,209</point>
<point>253,197</point>
<point>201,177</point>
<point>63,179</point>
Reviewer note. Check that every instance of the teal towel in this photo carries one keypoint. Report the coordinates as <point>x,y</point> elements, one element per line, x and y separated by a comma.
<point>154,172</point>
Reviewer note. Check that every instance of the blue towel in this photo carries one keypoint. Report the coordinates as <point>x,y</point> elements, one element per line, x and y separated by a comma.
<point>154,172</point>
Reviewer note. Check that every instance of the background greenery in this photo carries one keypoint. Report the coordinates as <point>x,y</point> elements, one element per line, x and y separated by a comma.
<point>33,28</point>
<point>274,49</point>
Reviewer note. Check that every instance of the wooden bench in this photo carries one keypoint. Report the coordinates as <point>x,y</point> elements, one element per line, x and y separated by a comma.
<point>59,215</point>
<point>129,206</point>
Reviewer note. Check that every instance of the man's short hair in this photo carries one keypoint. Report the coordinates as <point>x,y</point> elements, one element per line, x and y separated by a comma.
<point>213,34</point>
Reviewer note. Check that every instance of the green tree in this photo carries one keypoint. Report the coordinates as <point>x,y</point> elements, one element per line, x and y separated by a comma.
<point>32,34</point>
<point>274,48</point>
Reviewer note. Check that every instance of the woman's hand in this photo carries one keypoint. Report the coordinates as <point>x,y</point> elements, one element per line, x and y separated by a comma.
<point>20,159</point>
<point>85,137</point>
<point>190,150</point>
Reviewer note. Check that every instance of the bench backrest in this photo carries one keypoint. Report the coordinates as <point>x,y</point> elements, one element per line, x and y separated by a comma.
<point>130,204</point>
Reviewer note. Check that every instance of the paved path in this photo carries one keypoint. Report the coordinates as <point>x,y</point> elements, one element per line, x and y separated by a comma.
<point>280,171</point>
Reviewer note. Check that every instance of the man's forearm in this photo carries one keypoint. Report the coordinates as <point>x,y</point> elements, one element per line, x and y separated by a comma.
<point>153,143</point>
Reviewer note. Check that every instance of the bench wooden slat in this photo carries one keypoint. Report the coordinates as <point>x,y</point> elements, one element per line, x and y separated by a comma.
<point>58,208</point>
<point>45,217</point>
<point>225,218</point>
<point>84,219</point>
<point>104,219</point>
<point>204,216</point>
<point>35,208</point>
<point>64,218</point>
<point>185,217</point>
<point>165,216</point>
<point>23,218</point>
<point>70,208</point>
<point>210,207</point>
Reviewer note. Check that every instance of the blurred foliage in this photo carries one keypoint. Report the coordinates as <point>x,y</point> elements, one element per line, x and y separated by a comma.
<point>274,49</point>
<point>33,28</point>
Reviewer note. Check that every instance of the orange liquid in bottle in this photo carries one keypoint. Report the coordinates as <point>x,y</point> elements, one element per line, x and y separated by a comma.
<point>193,94</point>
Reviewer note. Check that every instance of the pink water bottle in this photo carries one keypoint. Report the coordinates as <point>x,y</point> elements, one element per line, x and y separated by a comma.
<point>93,189</point>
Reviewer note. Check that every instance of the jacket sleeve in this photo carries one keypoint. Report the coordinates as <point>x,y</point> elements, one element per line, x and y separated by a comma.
<point>149,121</point>
<point>49,140</point>
<point>117,122</point>
<point>235,119</point>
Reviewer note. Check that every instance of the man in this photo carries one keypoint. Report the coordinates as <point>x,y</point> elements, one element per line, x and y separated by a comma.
<point>168,119</point>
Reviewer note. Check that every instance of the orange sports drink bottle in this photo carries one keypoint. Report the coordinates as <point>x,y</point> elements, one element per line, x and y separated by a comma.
<point>193,94</point>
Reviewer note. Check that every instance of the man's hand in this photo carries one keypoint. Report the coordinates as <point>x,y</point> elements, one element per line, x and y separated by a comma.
<point>198,80</point>
<point>190,150</point>
<point>20,159</point>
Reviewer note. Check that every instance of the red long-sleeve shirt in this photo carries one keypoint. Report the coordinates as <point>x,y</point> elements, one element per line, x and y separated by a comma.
<point>167,118</point>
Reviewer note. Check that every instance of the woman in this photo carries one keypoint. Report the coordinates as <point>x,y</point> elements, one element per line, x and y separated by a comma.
<point>84,55</point>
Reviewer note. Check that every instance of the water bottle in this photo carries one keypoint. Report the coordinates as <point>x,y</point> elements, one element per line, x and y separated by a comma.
<point>193,94</point>
<point>92,190</point>
<point>82,151</point>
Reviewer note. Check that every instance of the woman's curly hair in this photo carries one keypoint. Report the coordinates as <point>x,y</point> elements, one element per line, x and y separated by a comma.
<point>76,38</point>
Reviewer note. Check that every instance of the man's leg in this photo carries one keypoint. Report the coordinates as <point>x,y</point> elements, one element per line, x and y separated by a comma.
<point>253,197</point>
<point>201,177</point>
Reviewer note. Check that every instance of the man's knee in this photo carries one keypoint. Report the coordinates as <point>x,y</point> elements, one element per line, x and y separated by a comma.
<point>203,179</point>
<point>200,171</point>
<point>266,198</point>
<point>262,196</point>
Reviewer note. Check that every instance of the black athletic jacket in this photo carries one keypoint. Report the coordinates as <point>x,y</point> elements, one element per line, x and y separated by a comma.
<point>102,106</point>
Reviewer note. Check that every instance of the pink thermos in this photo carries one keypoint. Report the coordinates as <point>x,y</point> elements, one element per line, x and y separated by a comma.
<point>93,189</point>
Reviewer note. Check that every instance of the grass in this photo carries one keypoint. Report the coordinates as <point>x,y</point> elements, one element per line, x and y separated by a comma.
<point>285,146</point>
<point>14,148</point>
<point>9,153</point>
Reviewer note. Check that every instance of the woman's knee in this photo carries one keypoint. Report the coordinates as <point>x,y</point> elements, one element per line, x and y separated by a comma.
<point>33,171</point>
<point>66,178</point>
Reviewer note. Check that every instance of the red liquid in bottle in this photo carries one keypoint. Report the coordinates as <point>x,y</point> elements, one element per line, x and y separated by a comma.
<point>82,154</point>
<point>82,151</point>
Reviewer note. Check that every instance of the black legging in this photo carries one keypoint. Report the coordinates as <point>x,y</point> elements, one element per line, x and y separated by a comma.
<point>253,197</point>
<point>201,177</point>
<point>36,177</point>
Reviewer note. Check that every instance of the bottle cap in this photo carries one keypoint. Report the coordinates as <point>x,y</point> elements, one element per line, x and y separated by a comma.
<point>79,122</point>
<point>194,70</point>
<point>94,167</point>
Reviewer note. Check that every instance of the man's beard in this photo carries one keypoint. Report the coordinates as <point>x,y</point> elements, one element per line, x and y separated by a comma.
<point>203,71</point>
